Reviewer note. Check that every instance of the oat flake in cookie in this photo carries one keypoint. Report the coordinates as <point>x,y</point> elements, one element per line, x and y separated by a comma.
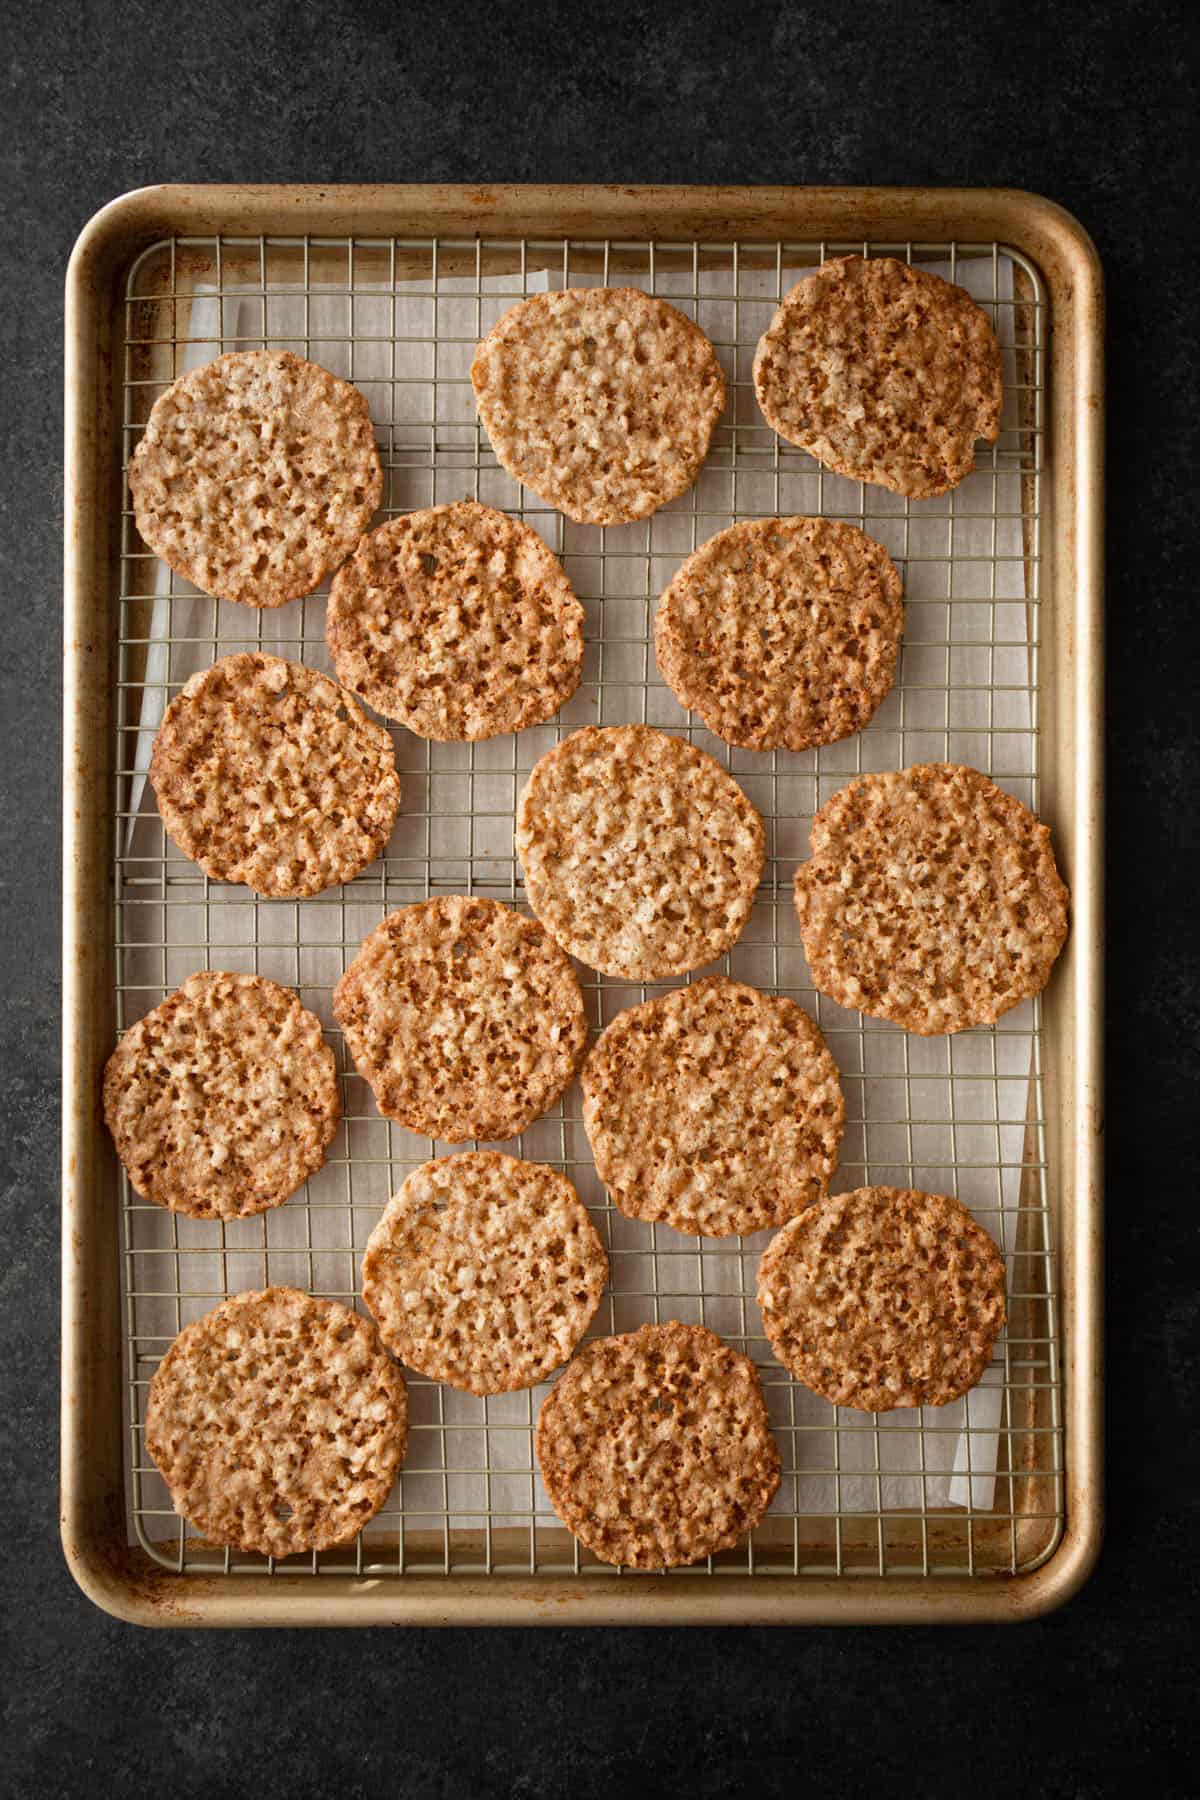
<point>602,400</point>
<point>655,1447</point>
<point>458,622</point>
<point>641,854</point>
<point>884,373</point>
<point>931,898</point>
<point>255,476</point>
<point>222,1101</point>
<point>715,1108</point>
<point>270,774</point>
<point>782,633</point>
<point>464,1016</point>
<point>484,1271</point>
<point>278,1422</point>
<point>883,1297</point>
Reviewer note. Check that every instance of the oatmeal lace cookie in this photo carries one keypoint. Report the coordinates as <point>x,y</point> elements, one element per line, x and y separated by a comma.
<point>484,1271</point>
<point>655,1447</point>
<point>602,400</point>
<point>268,773</point>
<point>464,1016</point>
<point>641,854</point>
<point>714,1107</point>
<point>458,622</point>
<point>223,1100</point>
<point>883,372</point>
<point>782,633</point>
<point>883,1297</point>
<point>255,476</point>
<point>278,1422</point>
<point>931,898</point>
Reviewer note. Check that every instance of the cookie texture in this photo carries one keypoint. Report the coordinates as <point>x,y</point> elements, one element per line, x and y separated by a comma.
<point>278,1422</point>
<point>464,1016</point>
<point>458,621</point>
<point>782,633</point>
<point>484,1271</point>
<point>715,1108</point>
<point>270,774</point>
<point>602,400</point>
<point>255,476</point>
<point>655,1447</point>
<point>883,372</point>
<point>223,1100</point>
<point>641,854</point>
<point>931,898</point>
<point>883,1297</point>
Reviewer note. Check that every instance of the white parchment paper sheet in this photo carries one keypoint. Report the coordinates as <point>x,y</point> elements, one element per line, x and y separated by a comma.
<point>946,1114</point>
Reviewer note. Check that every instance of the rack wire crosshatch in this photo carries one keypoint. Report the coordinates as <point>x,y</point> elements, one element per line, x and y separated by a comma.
<point>971,1489</point>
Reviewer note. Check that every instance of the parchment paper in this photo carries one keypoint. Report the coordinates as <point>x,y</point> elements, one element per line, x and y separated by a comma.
<point>944,1114</point>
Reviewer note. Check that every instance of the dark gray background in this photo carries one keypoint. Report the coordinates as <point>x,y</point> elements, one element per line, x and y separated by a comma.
<point>1094,105</point>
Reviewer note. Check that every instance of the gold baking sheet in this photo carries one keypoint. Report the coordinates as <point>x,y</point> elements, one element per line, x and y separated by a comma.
<point>873,1521</point>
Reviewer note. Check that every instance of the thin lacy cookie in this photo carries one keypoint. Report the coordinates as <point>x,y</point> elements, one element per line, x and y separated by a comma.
<point>641,854</point>
<point>222,1101</point>
<point>655,1447</point>
<point>270,774</point>
<point>931,898</point>
<point>255,476</point>
<point>715,1108</point>
<point>465,1017</point>
<point>782,633</point>
<point>484,1271</point>
<point>884,1297</point>
<point>278,1422</point>
<point>458,622</point>
<point>883,372</point>
<point>602,400</point>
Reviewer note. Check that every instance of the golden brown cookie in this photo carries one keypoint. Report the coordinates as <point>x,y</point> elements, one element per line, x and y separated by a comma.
<point>655,1447</point>
<point>931,898</point>
<point>278,1422</point>
<point>484,1271</point>
<point>223,1100</point>
<point>602,400</point>
<point>715,1108</point>
<point>464,1016</point>
<point>782,633</point>
<point>255,476</point>
<point>458,622</point>
<point>270,774</point>
<point>883,372</point>
<point>884,1297</point>
<point>641,855</point>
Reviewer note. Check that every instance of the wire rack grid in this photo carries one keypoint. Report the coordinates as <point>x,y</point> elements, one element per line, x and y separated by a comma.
<point>972,1489</point>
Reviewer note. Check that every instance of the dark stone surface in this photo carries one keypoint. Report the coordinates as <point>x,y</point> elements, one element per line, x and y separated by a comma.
<point>1094,105</point>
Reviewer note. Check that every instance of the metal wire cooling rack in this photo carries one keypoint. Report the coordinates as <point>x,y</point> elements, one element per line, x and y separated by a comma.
<point>973,1488</point>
